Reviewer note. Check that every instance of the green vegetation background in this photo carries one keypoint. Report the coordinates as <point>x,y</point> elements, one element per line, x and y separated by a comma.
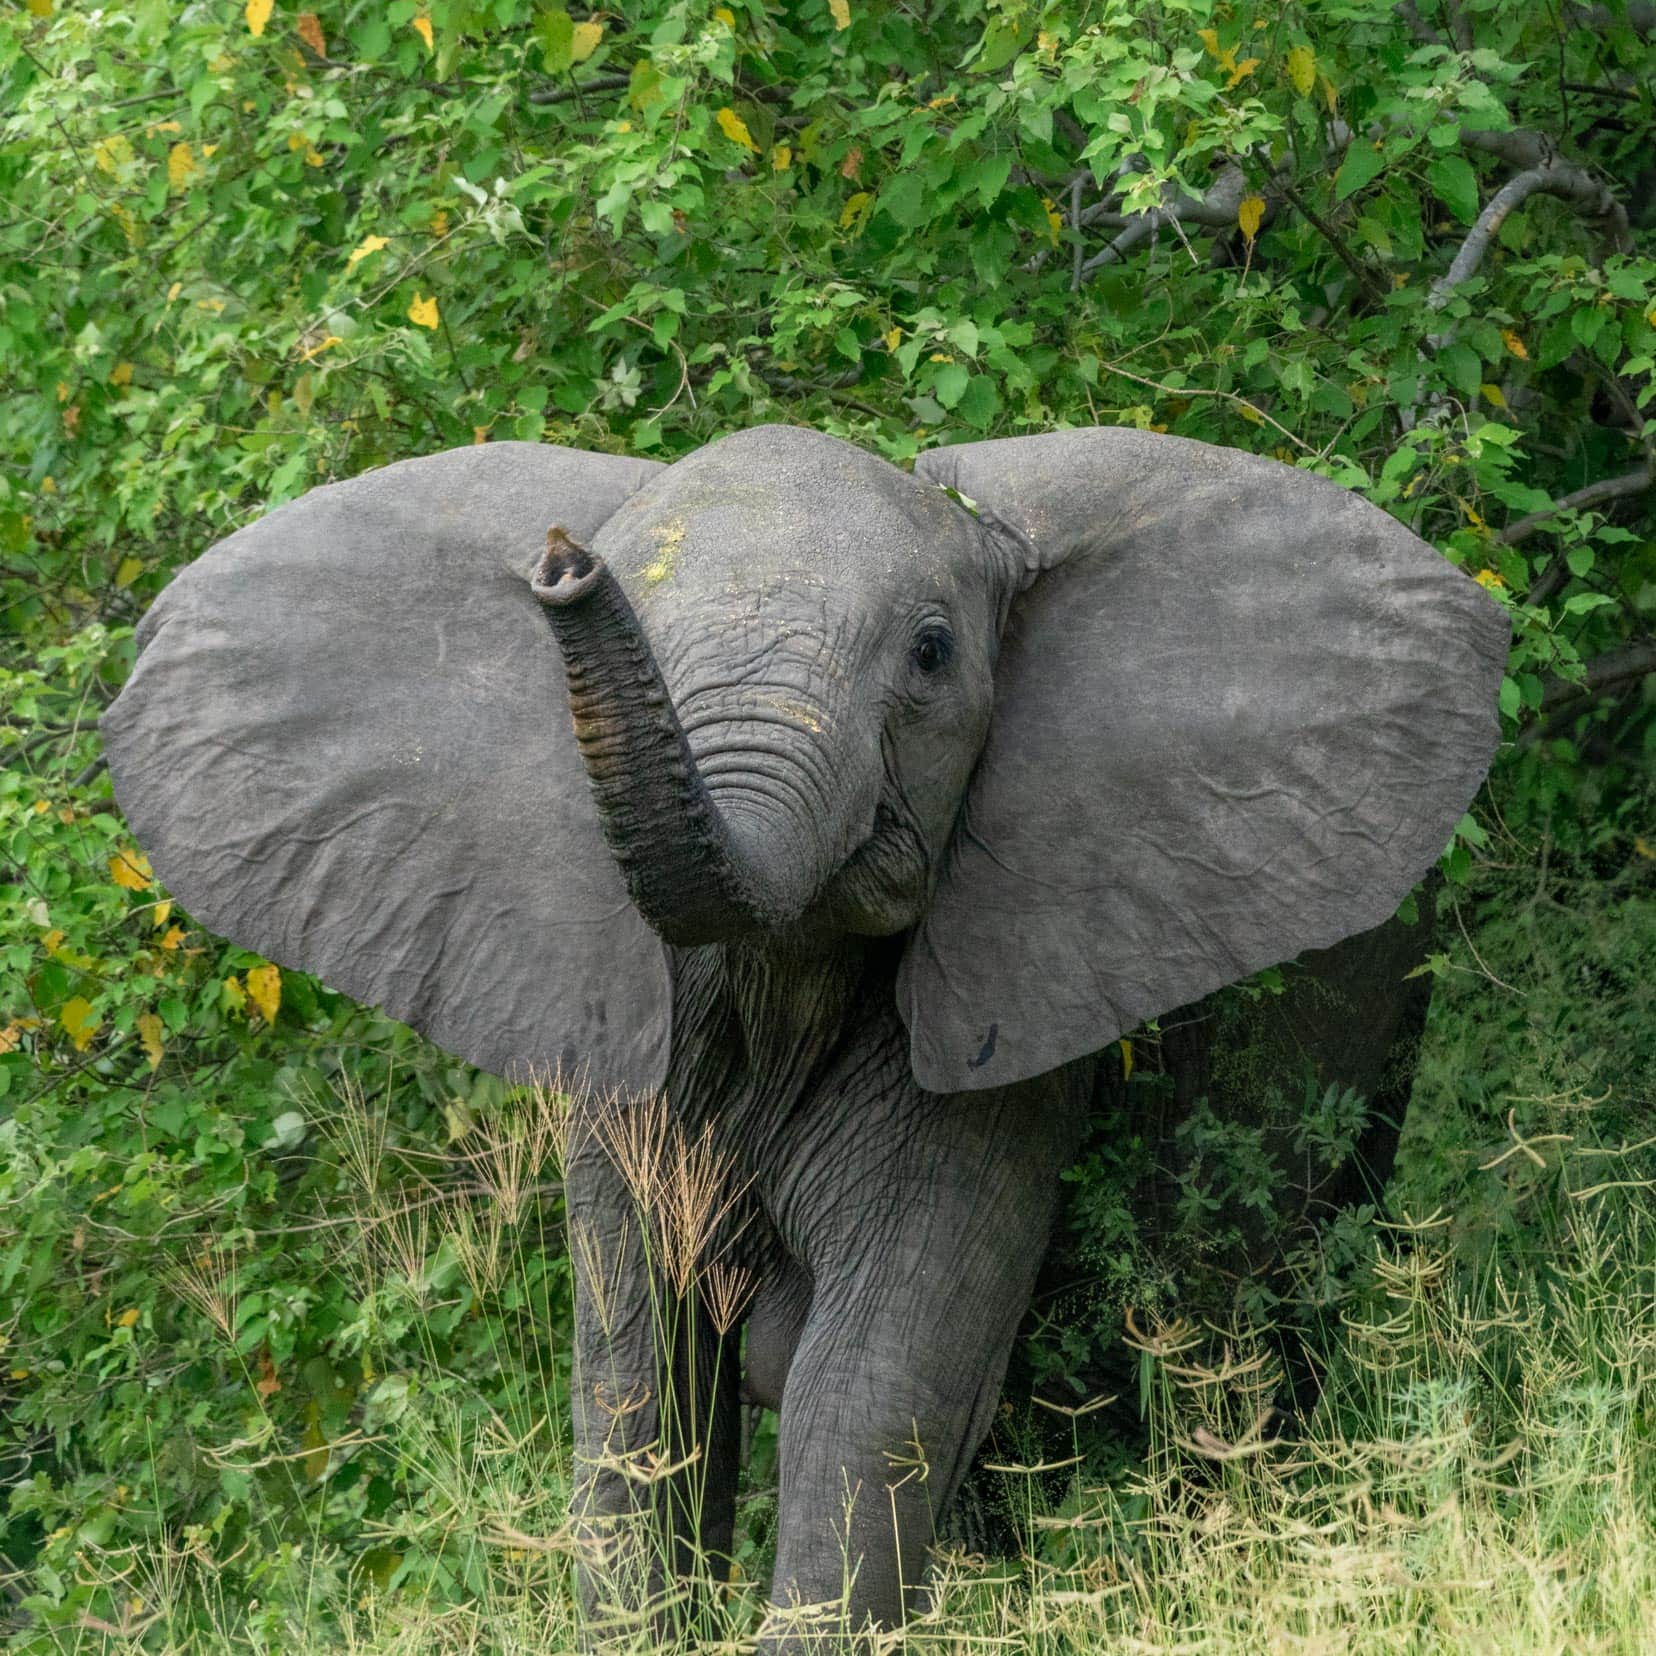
<point>262,1381</point>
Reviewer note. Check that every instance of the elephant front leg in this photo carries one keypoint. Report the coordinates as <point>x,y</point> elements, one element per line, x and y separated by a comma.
<point>922,1270</point>
<point>655,1416</point>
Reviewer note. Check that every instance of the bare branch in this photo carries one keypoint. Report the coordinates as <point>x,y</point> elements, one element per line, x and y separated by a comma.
<point>546,95</point>
<point>1607,488</point>
<point>1418,26</point>
<point>1218,209</point>
<point>1550,177</point>
<point>1616,670</point>
<point>1553,577</point>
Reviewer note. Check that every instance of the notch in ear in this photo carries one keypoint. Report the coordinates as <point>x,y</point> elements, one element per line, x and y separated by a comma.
<point>1238,712</point>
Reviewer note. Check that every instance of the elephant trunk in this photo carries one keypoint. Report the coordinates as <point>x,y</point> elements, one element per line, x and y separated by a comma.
<point>684,869</point>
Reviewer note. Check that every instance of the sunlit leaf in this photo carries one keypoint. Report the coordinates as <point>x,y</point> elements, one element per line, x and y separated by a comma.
<point>181,165</point>
<point>1302,69</point>
<point>264,989</point>
<point>423,312</point>
<point>735,128</point>
<point>840,11</point>
<point>368,245</point>
<point>130,869</point>
<point>80,1022</point>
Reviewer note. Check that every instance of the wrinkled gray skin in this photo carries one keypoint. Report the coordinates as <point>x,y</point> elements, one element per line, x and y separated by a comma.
<point>893,807</point>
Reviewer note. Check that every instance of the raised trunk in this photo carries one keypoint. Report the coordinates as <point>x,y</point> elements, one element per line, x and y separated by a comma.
<point>683,867</point>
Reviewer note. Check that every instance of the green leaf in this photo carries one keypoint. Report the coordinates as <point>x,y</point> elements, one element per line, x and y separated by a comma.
<point>1456,185</point>
<point>949,385</point>
<point>904,198</point>
<point>1362,164</point>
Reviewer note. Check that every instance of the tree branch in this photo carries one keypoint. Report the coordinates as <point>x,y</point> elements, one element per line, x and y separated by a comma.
<point>1550,176</point>
<point>543,96</point>
<point>1553,577</point>
<point>1218,209</point>
<point>1563,700</point>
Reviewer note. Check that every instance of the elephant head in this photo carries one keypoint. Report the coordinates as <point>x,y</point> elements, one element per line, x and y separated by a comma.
<point>1100,720</point>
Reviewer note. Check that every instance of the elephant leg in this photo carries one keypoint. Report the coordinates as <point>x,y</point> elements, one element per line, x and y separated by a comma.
<point>921,1277</point>
<point>657,1426</point>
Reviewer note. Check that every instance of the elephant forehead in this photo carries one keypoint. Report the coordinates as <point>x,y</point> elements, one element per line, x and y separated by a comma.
<point>780,506</point>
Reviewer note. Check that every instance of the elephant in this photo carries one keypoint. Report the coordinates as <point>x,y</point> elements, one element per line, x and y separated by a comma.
<point>852,814</point>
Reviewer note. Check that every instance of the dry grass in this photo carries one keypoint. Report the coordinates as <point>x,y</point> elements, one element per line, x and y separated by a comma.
<point>1480,1474</point>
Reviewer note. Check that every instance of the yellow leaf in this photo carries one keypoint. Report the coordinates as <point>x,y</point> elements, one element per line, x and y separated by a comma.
<point>127,571</point>
<point>40,8</point>
<point>1642,846</point>
<point>1472,516</point>
<point>854,207</point>
<point>439,222</point>
<point>131,870</point>
<point>121,374</point>
<point>369,244</point>
<point>232,994</point>
<point>583,41</point>
<point>162,126</point>
<point>264,989</point>
<point>422,27</point>
<point>174,291</point>
<point>310,31</point>
<point>724,15</point>
<point>1126,1060</point>
<point>1046,43</point>
<point>80,1022</point>
<point>181,162</point>
<point>1493,395</point>
<point>1241,72</point>
<point>1250,214</point>
<point>781,158</point>
<point>480,435</point>
<point>423,312</point>
<point>735,128</point>
<point>320,347</point>
<point>1488,579</point>
<point>1210,39</point>
<point>304,393</point>
<point>128,1318</point>
<point>893,339</point>
<point>161,913</point>
<point>1302,69</point>
<point>149,1034</point>
<point>172,937</point>
<point>112,153</point>
<point>840,11</point>
<point>1330,95</point>
<point>1514,344</point>
<point>258,14</point>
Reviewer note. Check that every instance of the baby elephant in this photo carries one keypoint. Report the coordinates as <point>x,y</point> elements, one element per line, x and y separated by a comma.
<point>831,821</point>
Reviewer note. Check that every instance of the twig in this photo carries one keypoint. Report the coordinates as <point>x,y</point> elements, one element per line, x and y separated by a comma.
<point>1199,391</point>
<point>543,96</point>
<point>1558,571</point>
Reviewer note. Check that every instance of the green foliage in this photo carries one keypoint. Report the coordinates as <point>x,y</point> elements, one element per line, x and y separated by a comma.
<point>247,251</point>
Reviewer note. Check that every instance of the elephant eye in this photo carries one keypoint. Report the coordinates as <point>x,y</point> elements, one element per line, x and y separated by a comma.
<point>933,648</point>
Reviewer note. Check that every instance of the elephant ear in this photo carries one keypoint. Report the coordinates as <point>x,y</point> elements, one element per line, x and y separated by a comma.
<point>347,744</point>
<point>1238,712</point>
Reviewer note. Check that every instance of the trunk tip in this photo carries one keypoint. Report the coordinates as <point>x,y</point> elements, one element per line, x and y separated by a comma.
<point>565,571</point>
